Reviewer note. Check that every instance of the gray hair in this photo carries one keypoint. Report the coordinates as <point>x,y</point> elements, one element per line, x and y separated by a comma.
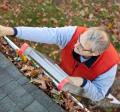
<point>99,37</point>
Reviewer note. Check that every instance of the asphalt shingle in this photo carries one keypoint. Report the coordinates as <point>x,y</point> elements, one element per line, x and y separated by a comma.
<point>5,78</point>
<point>2,94</point>
<point>7,104</point>
<point>8,88</point>
<point>35,107</point>
<point>17,94</point>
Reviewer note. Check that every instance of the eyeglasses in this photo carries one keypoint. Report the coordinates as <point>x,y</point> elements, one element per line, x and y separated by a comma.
<point>83,49</point>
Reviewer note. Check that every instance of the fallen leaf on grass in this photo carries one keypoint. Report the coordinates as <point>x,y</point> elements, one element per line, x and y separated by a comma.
<point>54,53</point>
<point>54,20</point>
<point>45,20</point>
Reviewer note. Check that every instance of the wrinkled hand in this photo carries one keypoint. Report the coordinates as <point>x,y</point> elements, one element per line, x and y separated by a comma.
<point>68,87</point>
<point>76,81</point>
<point>1,31</point>
<point>6,31</point>
<point>73,86</point>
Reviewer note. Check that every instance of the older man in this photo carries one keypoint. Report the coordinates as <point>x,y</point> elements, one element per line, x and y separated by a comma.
<point>87,55</point>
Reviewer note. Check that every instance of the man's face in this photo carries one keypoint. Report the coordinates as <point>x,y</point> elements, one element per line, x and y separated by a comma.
<point>83,47</point>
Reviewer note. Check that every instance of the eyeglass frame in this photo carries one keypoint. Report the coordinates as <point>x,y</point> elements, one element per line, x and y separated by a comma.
<point>90,51</point>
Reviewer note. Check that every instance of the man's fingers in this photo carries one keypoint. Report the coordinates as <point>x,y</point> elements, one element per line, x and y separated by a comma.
<point>1,31</point>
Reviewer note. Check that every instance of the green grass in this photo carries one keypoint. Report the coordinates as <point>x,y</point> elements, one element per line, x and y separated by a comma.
<point>32,14</point>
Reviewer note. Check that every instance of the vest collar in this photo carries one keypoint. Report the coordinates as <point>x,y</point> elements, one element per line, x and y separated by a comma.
<point>88,63</point>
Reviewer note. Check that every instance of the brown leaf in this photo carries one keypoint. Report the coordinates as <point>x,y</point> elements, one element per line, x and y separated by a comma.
<point>54,91</point>
<point>27,68</point>
<point>34,73</point>
<point>39,1</point>
<point>54,52</point>
<point>5,5</point>
<point>69,104</point>
<point>54,20</point>
<point>39,82</point>
<point>19,64</point>
<point>45,20</point>
<point>27,74</point>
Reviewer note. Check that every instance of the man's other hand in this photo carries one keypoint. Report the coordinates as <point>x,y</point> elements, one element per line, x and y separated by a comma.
<point>77,81</point>
<point>6,31</point>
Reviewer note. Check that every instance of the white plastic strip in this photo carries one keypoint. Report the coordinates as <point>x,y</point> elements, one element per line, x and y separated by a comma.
<point>44,64</point>
<point>11,43</point>
<point>56,67</point>
<point>114,100</point>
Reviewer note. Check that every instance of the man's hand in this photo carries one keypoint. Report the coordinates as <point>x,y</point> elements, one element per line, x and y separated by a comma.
<point>73,86</point>
<point>1,32</point>
<point>6,31</point>
<point>77,81</point>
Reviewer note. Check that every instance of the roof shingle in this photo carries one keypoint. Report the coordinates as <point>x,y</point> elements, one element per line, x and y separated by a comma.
<point>18,95</point>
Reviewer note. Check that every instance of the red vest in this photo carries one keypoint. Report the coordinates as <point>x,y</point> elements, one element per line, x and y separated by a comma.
<point>74,68</point>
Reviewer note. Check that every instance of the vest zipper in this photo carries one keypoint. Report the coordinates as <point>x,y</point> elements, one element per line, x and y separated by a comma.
<point>76,65</point>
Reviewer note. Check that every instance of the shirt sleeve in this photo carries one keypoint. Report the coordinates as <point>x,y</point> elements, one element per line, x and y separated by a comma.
<point>97,89</point>
<point>59,35</point>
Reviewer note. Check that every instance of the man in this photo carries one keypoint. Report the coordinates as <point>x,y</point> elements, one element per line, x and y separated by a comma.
<point>87,56</point>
